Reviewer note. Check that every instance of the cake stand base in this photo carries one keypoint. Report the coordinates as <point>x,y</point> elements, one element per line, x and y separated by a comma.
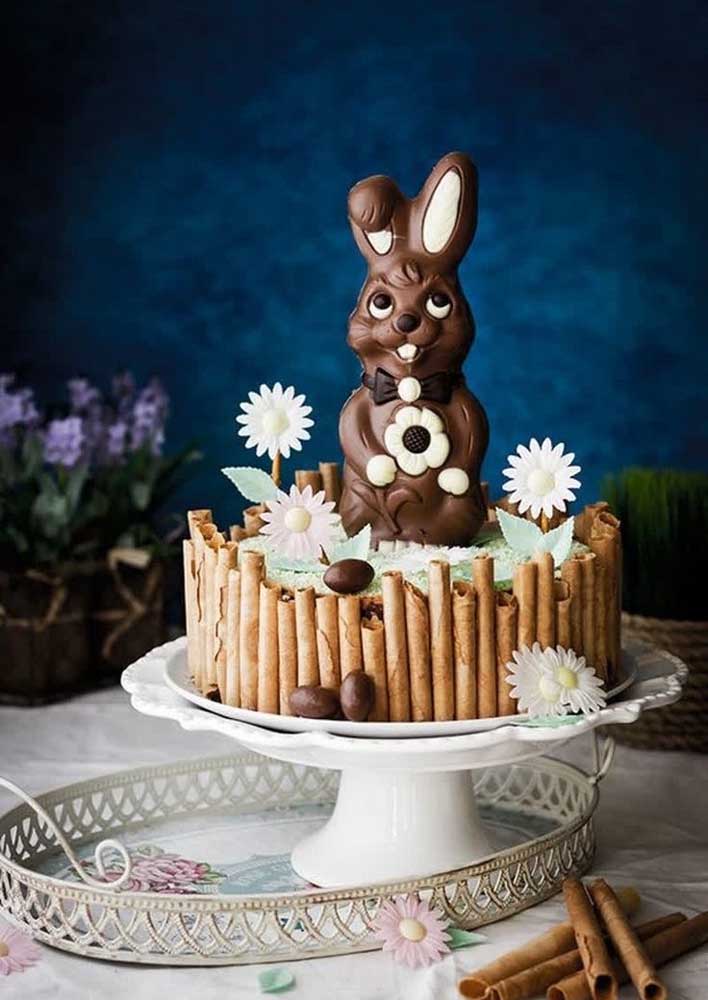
<point>394,825</point>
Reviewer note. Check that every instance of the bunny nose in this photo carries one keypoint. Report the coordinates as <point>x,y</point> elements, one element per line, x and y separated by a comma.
<point>407,322</point>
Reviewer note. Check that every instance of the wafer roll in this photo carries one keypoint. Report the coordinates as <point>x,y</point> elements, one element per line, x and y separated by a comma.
<point>548,946</point>
<point>308,477</point>
<point>545,600</point>
<point>211,557</point>
<point>374,652</point>
<point>226,561</point>
<point>626,943</point>
<point>350,654</point>
<point>252,568</point>
<point>531,982</point>
<point>237,533</point>
<point>418,636</point>
<point>268,685</point>
<point>252,519</point>
<point>203,532</point>
<point>572,574</point>
<point>331,480</point>
<point>287,652</point>
<point>561,592</point>
<point>606,542</point>
<point>233,616</point>
<point>676,938</point>
<point>586,518</point>
<point>394,615</point>
<point>483,575</point>
<point>525,591</point>
<point>191,611</point>
<point>441,651</point>
<point>507,627</point>
<point>328,641</point>
<point>195,518</point>
<point>308,672</point>
<point>587,575</point>
<point>464,634</point>
<point>591,944</point>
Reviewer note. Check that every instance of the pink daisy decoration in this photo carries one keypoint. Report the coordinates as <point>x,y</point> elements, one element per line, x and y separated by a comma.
<point>415,934</point>
<point>300,524</point>
<point>17,951</point>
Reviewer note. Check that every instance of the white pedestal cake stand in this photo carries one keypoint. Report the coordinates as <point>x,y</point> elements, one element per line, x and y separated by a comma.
<point>406,805</point>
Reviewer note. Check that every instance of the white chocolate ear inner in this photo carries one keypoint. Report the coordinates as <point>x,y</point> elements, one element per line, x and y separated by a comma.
<point>441,214</point>
<point>381,241</point>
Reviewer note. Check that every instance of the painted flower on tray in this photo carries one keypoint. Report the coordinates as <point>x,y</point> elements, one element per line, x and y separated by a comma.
<point>300,524</point>
<point>417,440</point>
<point>553,682</point>
<point>275,420</point>
<point>156,870</point>
<point>17,951</point>
<point>412,931</point>
<point>541,477</point>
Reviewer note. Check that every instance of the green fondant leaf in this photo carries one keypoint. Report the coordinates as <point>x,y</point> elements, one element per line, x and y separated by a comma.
<point>558,541</point>
<point>253,484</point>
<point>356,547</point>
<point>283,563</point>
<point>275,980</point>
<point>521,535</point>
<point>457,938</point>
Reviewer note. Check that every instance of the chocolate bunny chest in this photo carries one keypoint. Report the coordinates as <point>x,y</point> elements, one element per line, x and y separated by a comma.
<point>413,435</point>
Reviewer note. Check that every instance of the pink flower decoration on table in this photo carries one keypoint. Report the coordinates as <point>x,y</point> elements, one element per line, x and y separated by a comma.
<point>415,934</point>
<point>17,951</point>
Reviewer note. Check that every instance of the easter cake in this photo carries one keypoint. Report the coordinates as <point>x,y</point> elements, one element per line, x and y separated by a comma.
<point>389,588</point>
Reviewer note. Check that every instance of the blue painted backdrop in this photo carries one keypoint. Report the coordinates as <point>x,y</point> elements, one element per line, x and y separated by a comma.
<point>175,202</point>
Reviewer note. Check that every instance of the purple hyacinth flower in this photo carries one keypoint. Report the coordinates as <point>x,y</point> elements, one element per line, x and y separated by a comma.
<point>17,409</point>
<point>64,442</point>
<point>149,416</point>
<point>83,395</point>
<point>116,435</point>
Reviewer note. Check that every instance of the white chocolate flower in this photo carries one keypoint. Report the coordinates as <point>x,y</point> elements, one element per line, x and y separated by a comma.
<point>275,420</point>
<point>540,477</point>
<point>417,440</point>
<point>299,524</point>
<point>553,682</point>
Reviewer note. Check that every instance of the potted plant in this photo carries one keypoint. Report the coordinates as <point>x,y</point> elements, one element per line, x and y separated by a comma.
<point>82,552</point>
<point>664,516</point>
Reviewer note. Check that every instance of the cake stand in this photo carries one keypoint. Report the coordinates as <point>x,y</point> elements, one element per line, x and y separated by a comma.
<point>406,805</point>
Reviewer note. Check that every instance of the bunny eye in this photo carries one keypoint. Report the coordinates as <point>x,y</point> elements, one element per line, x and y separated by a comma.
<point>438,305</point>
<point>381,305</point>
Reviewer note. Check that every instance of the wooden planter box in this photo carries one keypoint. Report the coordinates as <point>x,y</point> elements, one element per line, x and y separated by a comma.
<point>69,631</point>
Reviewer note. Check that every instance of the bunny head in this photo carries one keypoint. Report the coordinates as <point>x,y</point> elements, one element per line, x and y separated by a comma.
<point>412,317</point>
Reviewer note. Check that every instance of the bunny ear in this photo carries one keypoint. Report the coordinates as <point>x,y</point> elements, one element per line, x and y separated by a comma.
<point>446,209</point>
<point>372,204</point>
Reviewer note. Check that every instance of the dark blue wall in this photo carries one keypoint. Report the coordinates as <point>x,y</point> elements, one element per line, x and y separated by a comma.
<point>176,203</point>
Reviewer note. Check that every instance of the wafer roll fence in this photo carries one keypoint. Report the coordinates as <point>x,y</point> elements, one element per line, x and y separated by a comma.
<point>439,655</point>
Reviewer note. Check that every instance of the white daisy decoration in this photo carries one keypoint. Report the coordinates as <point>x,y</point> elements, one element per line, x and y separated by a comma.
<point>417,440</point>
<point>541,478</point>
<point>275,421</point>
<point>300,524</point>
<point>552,682</point>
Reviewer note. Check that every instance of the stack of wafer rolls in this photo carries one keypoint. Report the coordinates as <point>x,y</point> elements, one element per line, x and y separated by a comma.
<point>436,655</point>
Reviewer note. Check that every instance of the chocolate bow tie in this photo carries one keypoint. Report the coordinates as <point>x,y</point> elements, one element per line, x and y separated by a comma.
<point>437,388</point>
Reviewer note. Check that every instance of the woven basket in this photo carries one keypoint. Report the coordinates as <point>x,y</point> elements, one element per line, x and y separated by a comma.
<point>683,726</point>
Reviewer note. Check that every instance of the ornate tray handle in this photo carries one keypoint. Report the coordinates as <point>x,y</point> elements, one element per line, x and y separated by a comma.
<point>102,848</point>
<point>603,755</point>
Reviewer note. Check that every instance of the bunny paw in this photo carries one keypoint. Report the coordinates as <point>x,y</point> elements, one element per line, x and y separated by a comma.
<point>454,481</point>
<point>381,470</point>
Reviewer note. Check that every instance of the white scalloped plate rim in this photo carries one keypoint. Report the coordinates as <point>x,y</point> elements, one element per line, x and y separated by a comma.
<point>151,694</point>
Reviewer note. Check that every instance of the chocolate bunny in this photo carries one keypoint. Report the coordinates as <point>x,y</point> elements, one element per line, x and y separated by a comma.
<point>413,435</point>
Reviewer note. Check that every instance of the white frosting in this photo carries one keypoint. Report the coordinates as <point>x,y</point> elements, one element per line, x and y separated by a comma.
<point>454,481</point>
<point>381,470</point>
<point>409,389</point>
<point>441,214</point>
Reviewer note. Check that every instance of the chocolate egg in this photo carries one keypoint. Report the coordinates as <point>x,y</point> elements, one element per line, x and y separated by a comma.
<point>349,576</point>
<point>357,695</point>
<point>312,702</point>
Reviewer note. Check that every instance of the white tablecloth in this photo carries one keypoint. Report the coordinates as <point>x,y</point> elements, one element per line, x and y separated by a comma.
<point>652,829</point>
